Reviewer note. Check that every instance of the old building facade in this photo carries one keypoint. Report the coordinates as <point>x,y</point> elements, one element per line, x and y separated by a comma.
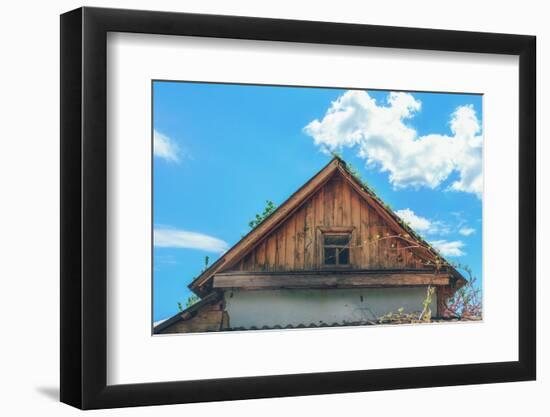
<point>332,254</point>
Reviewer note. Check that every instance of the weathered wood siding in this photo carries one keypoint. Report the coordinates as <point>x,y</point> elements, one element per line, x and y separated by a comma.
<point>210,318</point>
<point>296,243</point>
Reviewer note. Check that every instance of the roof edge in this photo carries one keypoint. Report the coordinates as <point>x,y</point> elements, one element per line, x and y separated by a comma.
<point>179,316</point>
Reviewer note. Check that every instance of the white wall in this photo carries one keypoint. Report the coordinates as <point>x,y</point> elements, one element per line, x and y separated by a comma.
<point>29,225</point>
<point>294,307</point>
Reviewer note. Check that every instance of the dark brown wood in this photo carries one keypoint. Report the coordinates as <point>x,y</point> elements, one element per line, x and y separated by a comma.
<point>309,234</point>
<point>299,251</point>
<point>290,249</point>
<point>357,245</point>
<point>260,256</point>
<point>337,208</point>
<point>271,250</point>
<point>327,280</point>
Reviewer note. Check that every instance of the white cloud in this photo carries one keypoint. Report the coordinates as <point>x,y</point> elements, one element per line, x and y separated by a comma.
<point>422,224</point>
<point>467,231</point>
<point>165,237</point>
<point>382,137</point>
<point>165,148</point>
<point>449,248</point>
<point>416,222</point>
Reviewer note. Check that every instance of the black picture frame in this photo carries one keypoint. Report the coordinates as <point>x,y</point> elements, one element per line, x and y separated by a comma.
<point>84,207</point>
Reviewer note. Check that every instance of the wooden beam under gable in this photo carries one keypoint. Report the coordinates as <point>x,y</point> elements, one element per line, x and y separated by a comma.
<point>262,281</point>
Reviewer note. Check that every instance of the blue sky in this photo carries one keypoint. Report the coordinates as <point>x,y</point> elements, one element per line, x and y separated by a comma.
<point>221,151</point>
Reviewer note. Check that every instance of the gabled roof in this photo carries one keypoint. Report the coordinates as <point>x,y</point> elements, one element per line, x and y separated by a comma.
<point>202,284</point>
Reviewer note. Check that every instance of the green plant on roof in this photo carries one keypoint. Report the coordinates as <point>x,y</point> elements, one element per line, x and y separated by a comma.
<point>192,299</point>
<point>206,261</point>
<point>270,207</point>
<point>352,169</point>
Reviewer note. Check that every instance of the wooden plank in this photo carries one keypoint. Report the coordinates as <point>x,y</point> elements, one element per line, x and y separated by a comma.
<point>334,280</point>
<point>374,244</point>
<point>319,222</point>
<point>290,243</point>
<point>260,256</point>
<point>400,253</point>
<point>356,244</point>
<point>271,249</point>
<point>299,252</point>
<point>328,204</point>
<point>334,206</point>
<point>280,252</point>
<point>384,250</point>
<point>393,251</point>
<point>346,204</point>
<point>320,208</point>
<point>382,244</point>
<point>309,228</point>
<point>248,261</point>
<point>366,238</point>
<point>338,215</point>
<point>406,253</point>
<point>386,247</point>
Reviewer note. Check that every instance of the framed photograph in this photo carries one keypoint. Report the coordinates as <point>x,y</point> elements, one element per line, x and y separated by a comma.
<point>257,208</point>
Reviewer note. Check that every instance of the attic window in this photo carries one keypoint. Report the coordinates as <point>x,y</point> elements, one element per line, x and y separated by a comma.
<point>336,249</point>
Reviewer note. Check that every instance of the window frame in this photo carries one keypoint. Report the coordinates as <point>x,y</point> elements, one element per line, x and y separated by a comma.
<point>340,230</point>
<point>339,248</point>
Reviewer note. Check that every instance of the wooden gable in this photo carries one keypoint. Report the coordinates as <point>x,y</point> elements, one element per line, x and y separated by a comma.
<point>296,245</point>
<point>332,201</point>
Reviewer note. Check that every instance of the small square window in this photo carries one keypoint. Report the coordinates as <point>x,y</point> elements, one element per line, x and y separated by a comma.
<point>336,249</point>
